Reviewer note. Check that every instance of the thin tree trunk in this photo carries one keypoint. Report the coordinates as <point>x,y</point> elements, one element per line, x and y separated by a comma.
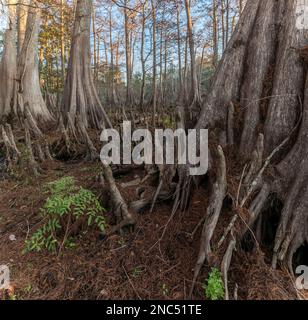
<point>222,20</point>
<point>215,35</point>
<point>154,61</point>
<point>141,103</point>
<point>114,99</point>
<point>62,41</point>
<point>194,90</point>
<point>129,89</point>
<point>180,93</point>
<point>94,44</point>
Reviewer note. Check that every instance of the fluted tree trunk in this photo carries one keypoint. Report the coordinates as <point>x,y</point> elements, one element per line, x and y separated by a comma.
<point>264,73</point>
<point>22,14</point>
<point>27,80</point>
<point>80,97</point>
<point>8,64</point>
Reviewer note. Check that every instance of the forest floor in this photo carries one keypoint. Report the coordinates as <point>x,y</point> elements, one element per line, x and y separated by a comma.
<point>131,266</point>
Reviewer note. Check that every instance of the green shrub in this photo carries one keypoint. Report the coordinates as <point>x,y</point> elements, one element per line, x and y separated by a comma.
<point>66,205</point>
<point>214,289</point>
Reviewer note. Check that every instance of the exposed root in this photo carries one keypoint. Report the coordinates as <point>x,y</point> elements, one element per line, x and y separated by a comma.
<point>212,215</point>
<point>33,165</point>
<point>92,153</point>
<point>140,205</point>
<point>226,264</point>
<point>12,153</point>
<point>32,124</point>
<point>124,218</point>
<point>292,231</point>
<point>256,162</point>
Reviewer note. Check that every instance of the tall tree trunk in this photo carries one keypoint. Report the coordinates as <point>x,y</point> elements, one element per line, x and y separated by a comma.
<point>128,53</point>
<point>222,20</point>
<point>227,20</point>
<point>264,67</point>
<point>8,64</point>
<point>114,98</point>
<point>28,82</point>
<point>80,96</point>
<point>153,2</point>
<point>180,93</point>
<point>195,99</point>
<point>215,34</point>
<point>62,42</point>
<point>94,44</point>
<point>160,66</point>
<point>22,13</point>
<point>141,103</point>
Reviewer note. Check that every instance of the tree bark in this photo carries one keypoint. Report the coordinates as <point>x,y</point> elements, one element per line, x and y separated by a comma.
<point>80,96</point>
<point>194,90</point>
<point>8,64</point>
<point>154,85</point>
<point>22,13</point>
<point>264,69</point>
<point>128,54</point>
<point>28,82</point>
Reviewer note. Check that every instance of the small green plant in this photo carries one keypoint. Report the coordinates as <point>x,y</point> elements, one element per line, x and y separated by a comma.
<point>7,294</point>
<point>121,242</point>
<point>165,289</point>
<point>214,289</point>
<point>66,205</point>
<point>137,272</point>
<point>28,289</point>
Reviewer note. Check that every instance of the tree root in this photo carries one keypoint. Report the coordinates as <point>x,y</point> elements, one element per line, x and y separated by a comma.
<point>33,165</point>
<point>163,195</point>
<point>124,218</point>
<point>292,231</point>
<point>212,216</point>
<point>92,153</point>
<point>12,153</point>
<point>226,264</point>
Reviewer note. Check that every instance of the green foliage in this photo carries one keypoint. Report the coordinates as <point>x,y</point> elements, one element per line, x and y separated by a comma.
<point>66,205</point>
<point>137,272</point>
<point>165,289</point>
<point>214,289</point>
<point>28,289</point>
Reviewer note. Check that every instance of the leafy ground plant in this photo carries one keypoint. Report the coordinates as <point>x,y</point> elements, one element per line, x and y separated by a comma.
<point>214,289</point>
<point>67,207</point>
